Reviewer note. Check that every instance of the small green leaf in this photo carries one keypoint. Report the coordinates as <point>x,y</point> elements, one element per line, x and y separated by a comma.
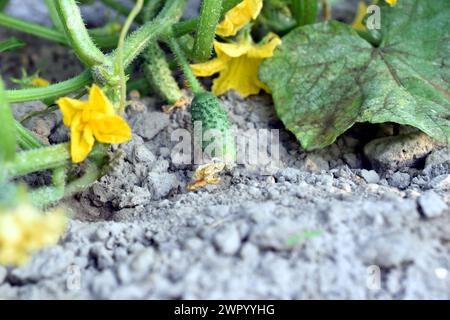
<point>11,44</point>
<point>325,78</point>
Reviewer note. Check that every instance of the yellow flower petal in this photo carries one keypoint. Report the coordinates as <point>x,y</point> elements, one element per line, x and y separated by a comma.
<point>266,50</point>
<point>238,64</point>
<point>81,143</point>
<point>209,68</point>
<point>241,75</point>
<point>232,50</point>
<point>40,82</point>
<point>69,108</point>
<point>24,230</point>
<point>99,102</point>
<point>91,120</point>
<point>111,129</point>
<point>238,17</point>
<point>391,2</point>
<point>360,14</point>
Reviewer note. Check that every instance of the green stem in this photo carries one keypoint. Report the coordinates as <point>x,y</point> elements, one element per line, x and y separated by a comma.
<point>51,92</point>
<point>54,16</point>
<point>141,38</point>
<point>11,44</point>
<point>184,64</point>
<point>119,61</point>
<point>32,28</point>
<point>46,196</point>
<point>210,14</point>
<point>151,9</point>
<point>117,7</point>
<point>305,11</point>
<point>92,174</point>
<point>39,159</point>
<point>7,130</point>
<point>183,27</point>
<point>51,34</point>
<point>25,139</point>
<point>77,34</point>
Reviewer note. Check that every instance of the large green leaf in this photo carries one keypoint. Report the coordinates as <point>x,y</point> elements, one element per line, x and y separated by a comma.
<point>325,77</point>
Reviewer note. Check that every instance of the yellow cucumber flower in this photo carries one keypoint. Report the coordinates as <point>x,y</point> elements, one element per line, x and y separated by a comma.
<point>92,120</point>
<point>40,82</point>
<point>238,64</point>
<point>25,230</point>
<point>238,17</point>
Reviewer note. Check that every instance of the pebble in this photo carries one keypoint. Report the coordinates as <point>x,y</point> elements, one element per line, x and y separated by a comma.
<point>391,250</point>
<point>371,176</point>
<point>432,205</point>
<point>393,153</point>
<point>228,240</point>
<point>400,180</point>
<point>441,182</point>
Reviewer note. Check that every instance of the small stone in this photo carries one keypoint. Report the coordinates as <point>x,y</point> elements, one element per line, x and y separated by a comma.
<point>137,196</point>
<point>393,153</point>
<point>315,163</point>
<point>249,251</point>
<point>103,284</point>
<point>101,256</point>
<point>431,204</point>
<point>143,261</point>
<point>161,184</point>
<point>149,124</point>
<point>228,240</point>
<point>371,176</point>
<point>441,182</point>
<point>270,180</point>
<point>438,162</point>
<point>142,154</point>
<point>391,250</point>
<point>101,234</point>
<point>352,160</point>
<point>400,180</point>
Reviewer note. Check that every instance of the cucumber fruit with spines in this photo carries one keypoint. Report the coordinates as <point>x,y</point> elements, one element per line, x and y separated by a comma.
<point>159,75</point>
<point>207,109</point>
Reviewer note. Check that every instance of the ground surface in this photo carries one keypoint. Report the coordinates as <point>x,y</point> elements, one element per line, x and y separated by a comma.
<point>314,225</point>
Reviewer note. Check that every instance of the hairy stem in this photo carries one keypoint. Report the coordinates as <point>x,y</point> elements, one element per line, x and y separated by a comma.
<point>7,130</point>
<point>32,28</point>
<point>77,34</point>
<point>51,92</point>
<point>184,64</point>
<point>54,16</point>
<point>119,61</point>
<point>141,38</point>
<point>183,27</point>
<point>210,14</point>
<point>39,159</point>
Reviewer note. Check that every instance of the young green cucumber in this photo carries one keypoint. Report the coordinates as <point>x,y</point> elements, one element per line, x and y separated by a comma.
<point>217,139</point>
<point>159,75</point>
